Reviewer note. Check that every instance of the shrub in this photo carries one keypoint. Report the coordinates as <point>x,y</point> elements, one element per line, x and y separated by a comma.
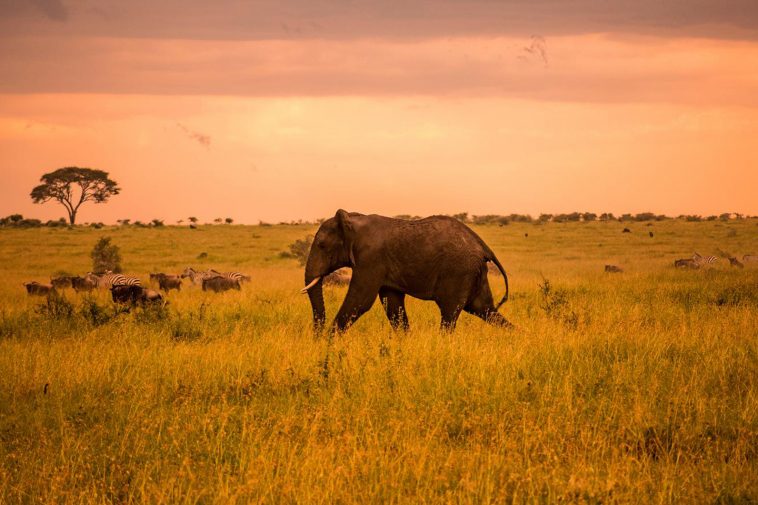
<point>157,222</point>
<point>645,216</point>
<point>228,220</point>
<point>489,219</point>
<point>105,256</point>
<point>29,223</point>
<point>55,307</point>
<point>299,250</point>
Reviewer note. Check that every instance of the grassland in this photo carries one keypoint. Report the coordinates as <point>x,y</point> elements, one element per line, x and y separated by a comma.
<point>633,387</point>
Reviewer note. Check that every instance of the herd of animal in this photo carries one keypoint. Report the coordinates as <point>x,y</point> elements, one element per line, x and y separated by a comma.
<point>697,261</point>
<point>127,289</point>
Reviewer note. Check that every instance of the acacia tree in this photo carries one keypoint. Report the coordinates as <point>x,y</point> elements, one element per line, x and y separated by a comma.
<point>72,186</point>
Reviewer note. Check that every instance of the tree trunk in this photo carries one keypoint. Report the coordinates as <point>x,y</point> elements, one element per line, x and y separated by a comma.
<point>72,217</point>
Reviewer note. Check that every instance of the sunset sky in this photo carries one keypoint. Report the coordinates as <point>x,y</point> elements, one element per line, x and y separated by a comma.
<point>280,110</point>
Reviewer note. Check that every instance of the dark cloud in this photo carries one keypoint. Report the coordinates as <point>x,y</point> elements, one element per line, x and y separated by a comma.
<point>276,19</point>
<point>201,138</point>
<point>53,9</point>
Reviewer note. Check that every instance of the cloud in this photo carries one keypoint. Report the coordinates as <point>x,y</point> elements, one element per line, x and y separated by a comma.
<point>395,19</point>
<point>201,138</point>
<point>590,68</point>
<point>53,9</point>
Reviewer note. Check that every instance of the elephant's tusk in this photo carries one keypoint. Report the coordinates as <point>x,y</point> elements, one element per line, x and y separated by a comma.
<point>309,286</point>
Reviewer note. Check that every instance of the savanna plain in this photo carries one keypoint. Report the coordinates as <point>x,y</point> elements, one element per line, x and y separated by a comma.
<point>633,387</point>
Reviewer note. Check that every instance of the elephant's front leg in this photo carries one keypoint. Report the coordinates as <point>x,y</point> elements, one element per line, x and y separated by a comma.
<point>360,297</point>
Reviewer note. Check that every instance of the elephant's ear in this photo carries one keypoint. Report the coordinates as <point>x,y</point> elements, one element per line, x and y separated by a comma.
<point>348,232</point>
<point>344,222</point>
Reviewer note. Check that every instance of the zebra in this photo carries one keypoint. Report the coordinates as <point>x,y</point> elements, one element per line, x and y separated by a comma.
<point>704,260</point>
<point>198,277</point>
<point>108,279</point>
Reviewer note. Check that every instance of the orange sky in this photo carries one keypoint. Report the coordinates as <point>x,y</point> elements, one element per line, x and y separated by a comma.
<point>287,110</point>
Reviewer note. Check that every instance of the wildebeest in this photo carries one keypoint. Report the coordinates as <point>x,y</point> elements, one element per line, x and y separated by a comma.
<point>81,284</point>
<point>650,233</point>
<point>337,278</point>
<point>626,230</point>
<point>686,263</point>
<point>198,277</point>
<point>735,262</point>
<point>37,289</point>
<point>134,295</point>
<point>219,284</point>
<point>167,282</point>
<point>613,269</point>
<point>62,282</point>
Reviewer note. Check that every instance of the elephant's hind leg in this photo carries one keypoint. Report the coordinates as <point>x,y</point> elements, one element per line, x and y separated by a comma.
<point>394,306</point>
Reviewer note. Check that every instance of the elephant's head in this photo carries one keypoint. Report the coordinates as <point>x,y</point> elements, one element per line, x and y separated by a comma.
<point>332,249</point>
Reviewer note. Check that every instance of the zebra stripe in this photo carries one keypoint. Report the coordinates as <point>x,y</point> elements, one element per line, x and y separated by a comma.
<point>235,276</point>
<point>197,277</point>
<point>109,279</point>
<point>704,260</point>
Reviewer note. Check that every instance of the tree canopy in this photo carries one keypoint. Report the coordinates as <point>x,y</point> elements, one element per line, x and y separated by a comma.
<point>72,186</point>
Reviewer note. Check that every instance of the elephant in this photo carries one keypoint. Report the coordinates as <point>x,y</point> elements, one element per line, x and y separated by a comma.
<point>437,258</point>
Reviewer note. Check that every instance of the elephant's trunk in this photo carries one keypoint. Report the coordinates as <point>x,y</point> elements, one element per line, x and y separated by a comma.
<point>316,295</point>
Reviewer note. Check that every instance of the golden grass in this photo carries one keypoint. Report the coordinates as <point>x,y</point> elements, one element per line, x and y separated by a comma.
<point>634,387</point>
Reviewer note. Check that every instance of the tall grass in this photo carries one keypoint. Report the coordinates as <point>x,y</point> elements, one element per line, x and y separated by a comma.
<point>637,387</point>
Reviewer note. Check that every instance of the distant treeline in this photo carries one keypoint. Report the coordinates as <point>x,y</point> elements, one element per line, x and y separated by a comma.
<point>576,217</point>
<point>19,221</point>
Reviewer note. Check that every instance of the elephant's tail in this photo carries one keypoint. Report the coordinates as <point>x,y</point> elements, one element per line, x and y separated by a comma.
<point>494,259</point>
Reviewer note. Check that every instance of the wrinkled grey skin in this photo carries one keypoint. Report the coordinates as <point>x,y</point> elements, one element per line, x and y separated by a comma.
<point>437,258</point>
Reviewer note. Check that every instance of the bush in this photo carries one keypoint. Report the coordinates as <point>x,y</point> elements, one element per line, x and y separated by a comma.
<point>299,250</point>
<point>56,224</point>
<point>157,222</point>
<point>105,256</point>
<point>489,219</point>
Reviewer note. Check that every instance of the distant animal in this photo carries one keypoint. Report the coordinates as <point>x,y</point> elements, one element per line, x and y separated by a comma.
<point>134,295</point>
<point>81,284</point>
<point>193,226</point>
<point>704,260</point>
<point>61,282</point>
<point>167,282</point>
<point>108,279</point>
<point>337,278</point>
<point>197,276</point>
<point>626,230</point>
<point>735,262</point>
<point>219,284</point>
<point>237,276</point>
<point>686,263</point>
<point>34,288</point>
<point>526,235</point>
<point>749,258</point>
<point>613,269</point>
<point>437,258</point>
<point>650,233</point>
